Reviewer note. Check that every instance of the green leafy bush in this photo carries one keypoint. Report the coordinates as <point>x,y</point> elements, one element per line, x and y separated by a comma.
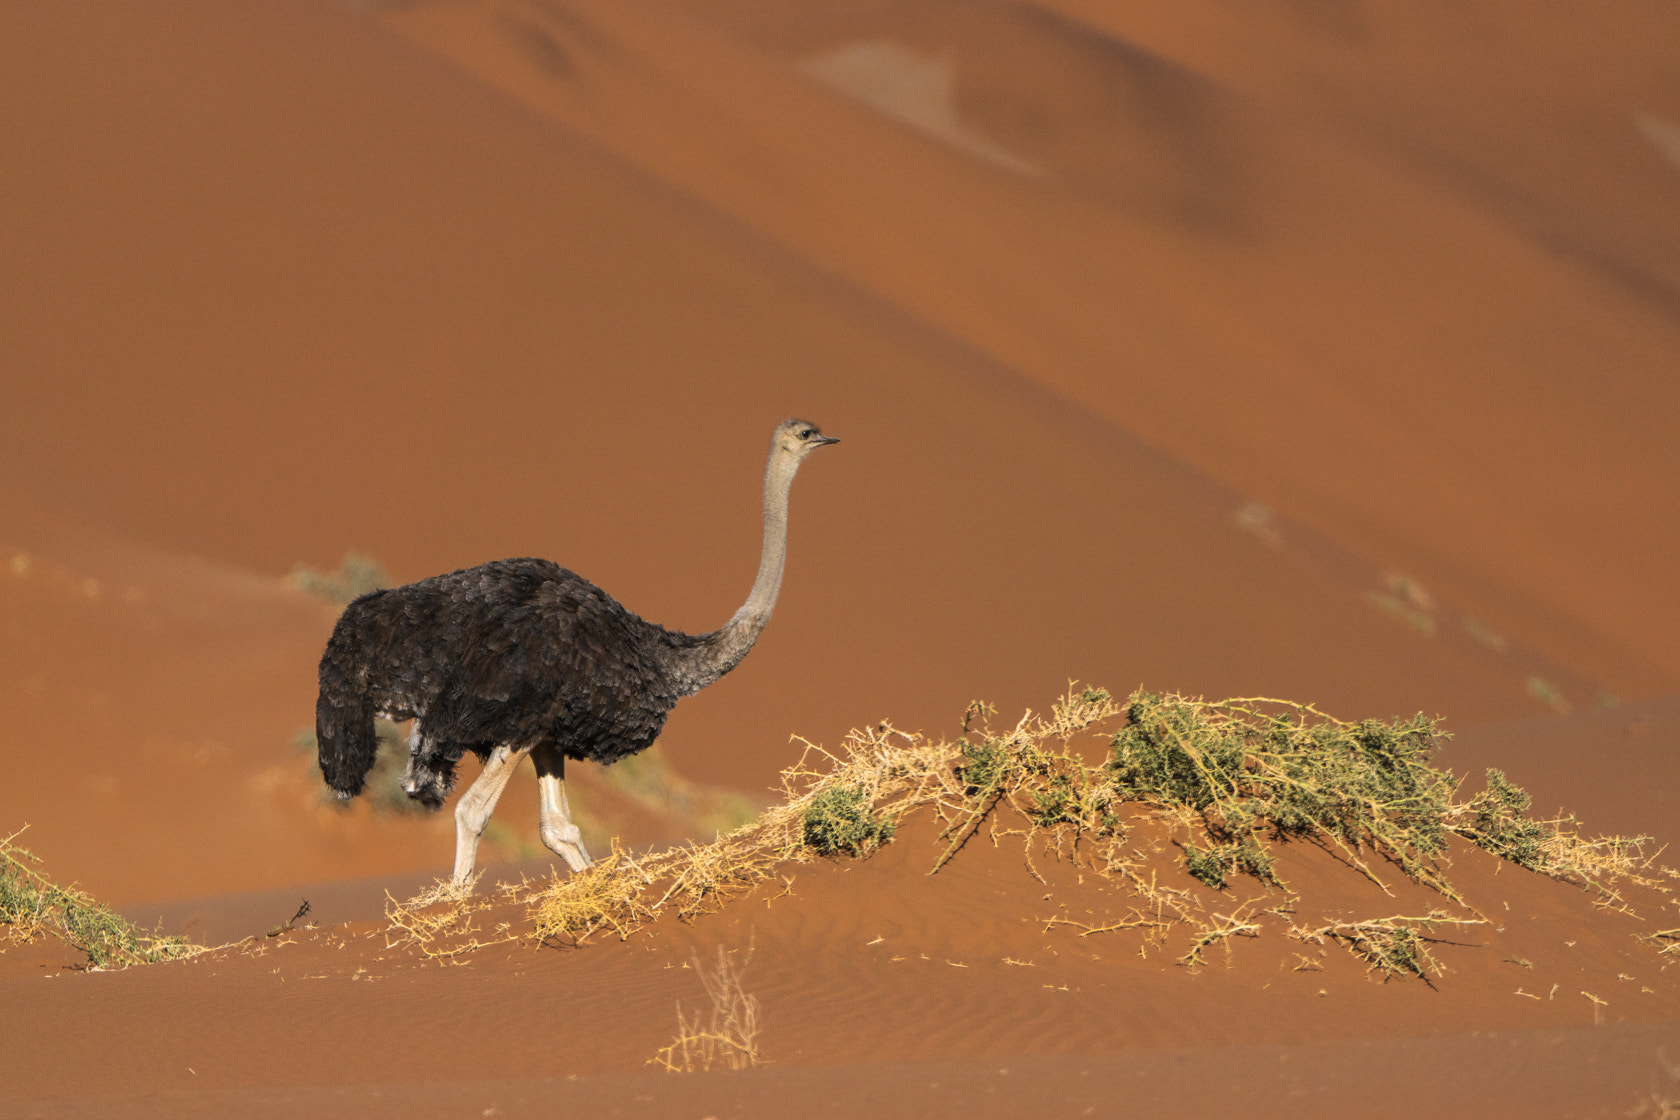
<point>1258,770</point>
<point>839,819</point>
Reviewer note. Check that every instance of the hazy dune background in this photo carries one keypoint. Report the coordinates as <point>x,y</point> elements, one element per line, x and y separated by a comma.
<point>1322,350</point>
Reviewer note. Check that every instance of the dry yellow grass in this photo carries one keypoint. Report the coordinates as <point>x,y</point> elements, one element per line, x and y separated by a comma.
<point>728,1037</point>
<point>895,771</point>
<point>441,923</point>
<point>1029,783</point>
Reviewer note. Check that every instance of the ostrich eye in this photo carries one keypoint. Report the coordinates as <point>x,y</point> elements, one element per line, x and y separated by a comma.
<point>807,433</point>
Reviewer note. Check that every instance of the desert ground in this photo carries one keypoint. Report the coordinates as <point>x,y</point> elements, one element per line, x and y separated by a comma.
<point>1316,351</point>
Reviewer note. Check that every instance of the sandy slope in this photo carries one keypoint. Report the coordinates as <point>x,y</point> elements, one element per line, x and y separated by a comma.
<point>1447,372</point>
<point>474,309</point>
<point>876,965</point>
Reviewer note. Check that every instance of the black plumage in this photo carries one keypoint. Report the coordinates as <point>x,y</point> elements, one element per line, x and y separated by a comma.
<point>514,651</point>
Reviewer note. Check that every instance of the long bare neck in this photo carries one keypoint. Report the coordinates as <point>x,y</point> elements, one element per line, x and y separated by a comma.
<point>723,649</point>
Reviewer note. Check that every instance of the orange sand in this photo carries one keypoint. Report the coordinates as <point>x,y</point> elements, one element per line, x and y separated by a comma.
<point>1312,350</point>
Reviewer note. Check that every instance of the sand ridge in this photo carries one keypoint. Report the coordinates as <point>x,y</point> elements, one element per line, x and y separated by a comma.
<point>967,962</point>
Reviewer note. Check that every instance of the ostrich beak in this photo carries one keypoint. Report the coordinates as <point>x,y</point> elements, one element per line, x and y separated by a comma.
<point>820,440</point>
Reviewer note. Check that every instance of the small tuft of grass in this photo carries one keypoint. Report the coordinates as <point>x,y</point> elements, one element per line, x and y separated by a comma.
<point>1547,693</point>
<point>1394,947</point>
<point>728,1037</point>
<point>1214,865</point>
<point>1498,824</point>
<point>31,905</point>
<point>1485,635</point>
<point>355,577</point>
<point>838,819</point>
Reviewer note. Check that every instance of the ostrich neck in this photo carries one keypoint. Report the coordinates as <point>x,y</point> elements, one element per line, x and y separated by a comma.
<point>724,649</point>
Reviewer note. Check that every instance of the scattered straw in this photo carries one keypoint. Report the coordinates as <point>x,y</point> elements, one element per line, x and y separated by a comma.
<point>1667,941</point>
<point>1396,946</point>
<point>441,923</point>
<point>1218,932</point>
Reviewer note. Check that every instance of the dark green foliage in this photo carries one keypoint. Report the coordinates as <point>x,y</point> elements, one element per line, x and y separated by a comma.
<point>839,820</point>
<point>1164,755</point>
<point>1057,787</point>
<point>1208,866</point>
<point>1052,789</point>
<point>20,899</point>
<point>1398,951</point>
<point>1259,770</point>
<point>1499,826</point>
<point>1060,801</point>
<point>1214,865</point>
<point>1265,769</point>
<point>984,766</point>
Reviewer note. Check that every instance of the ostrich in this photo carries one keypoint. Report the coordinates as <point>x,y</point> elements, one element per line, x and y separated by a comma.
<point>522,657</point>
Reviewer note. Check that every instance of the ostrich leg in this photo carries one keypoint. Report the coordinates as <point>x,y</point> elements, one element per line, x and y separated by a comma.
<point>473,811</point>
<point>558,831</point>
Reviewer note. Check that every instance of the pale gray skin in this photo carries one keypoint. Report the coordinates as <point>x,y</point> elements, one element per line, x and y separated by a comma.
<point>792,441</point>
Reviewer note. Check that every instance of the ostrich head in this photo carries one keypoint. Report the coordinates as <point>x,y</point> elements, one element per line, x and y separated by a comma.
<point>795,439</point>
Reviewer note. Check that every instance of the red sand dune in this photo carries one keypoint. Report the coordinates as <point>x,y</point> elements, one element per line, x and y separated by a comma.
<point>1310,350</point>
<point>882,986</point>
